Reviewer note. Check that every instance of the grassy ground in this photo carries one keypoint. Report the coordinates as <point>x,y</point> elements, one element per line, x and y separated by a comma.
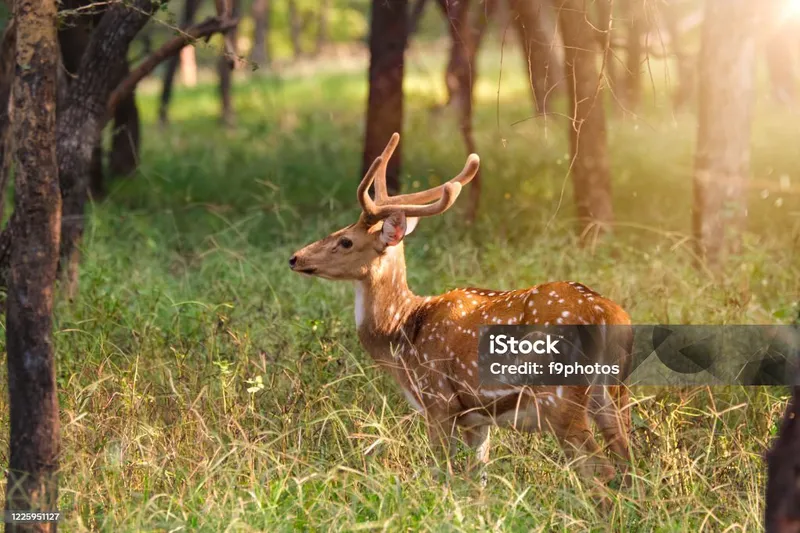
<point>205,387</point>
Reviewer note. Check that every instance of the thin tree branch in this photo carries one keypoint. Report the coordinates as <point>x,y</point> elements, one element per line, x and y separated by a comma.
<point>202,30</point>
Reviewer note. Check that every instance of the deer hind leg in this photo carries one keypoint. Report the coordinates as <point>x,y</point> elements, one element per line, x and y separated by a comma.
<point>477,438</point>
<point>610,410</point>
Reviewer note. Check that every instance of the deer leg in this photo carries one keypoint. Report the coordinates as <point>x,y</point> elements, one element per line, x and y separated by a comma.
<point>579,445</point>
<point>613,424</point>
<point>477,438</point>
<point>442,442</point>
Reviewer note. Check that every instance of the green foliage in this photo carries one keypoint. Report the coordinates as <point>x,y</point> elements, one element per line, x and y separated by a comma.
<point>204,386</point>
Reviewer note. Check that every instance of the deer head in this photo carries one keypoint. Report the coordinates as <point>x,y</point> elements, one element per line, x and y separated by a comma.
<point>353,252</point>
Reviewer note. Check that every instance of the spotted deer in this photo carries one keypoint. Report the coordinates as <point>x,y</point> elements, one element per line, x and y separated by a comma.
<point>429,344</point>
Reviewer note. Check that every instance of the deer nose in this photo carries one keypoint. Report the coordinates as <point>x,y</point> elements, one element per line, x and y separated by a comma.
<point>292,261</point>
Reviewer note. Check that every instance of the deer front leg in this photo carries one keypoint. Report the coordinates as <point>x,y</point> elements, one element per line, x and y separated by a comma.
<point>477,438</point>
<point>442,442</point>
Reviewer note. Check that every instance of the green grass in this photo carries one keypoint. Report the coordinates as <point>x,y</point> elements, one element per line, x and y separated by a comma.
<point>204,387</point>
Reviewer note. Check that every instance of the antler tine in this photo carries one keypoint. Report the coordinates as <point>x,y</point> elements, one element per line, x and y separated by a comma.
<point>367,205</point>
<point>450,192</point>
<point>464,177</point>
<point>381,193</point>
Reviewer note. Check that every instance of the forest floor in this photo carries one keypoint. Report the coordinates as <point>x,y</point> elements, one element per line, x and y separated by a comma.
<point>205,387</point>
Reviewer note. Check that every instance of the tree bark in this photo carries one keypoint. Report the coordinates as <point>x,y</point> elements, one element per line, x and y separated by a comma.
<point>261,53</point>
<point>535,45</point>
<point>80,123</point>
<point>387,43</point>
<point>587,131</point>
<point>125,140</point>
<point>187,18</point>
<point>782,511</point>
<point>34,419</point>
<point>726,98</point>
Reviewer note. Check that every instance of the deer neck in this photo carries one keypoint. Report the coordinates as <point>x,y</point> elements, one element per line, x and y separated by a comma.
<point>384,302</point>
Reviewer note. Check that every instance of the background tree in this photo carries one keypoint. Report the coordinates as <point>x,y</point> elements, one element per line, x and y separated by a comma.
<point>188,14</point>
<point>537,45</point>
<point>34,439</point>
<point>387,43</point>
<point>726,97</point>
<point>591,178</point>
<point>260,11</point>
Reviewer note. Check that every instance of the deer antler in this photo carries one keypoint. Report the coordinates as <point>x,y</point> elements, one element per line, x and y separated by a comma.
<point>442,196</point>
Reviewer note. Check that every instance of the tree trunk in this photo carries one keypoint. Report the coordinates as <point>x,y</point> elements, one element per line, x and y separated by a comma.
<point>535,44</point>
<point>685,90</point>
<point>782,512</point>
<point>465,39</point>
<point>187,18</point>
<point>261,55</point>
<point>387,43</point>
<point>34,439</point>
<point>722,161</point>
<point>225,67</point>
<point>635,21</point>
<point>587,131</point>
<point>125,139</point>
<point>322,26</point>
<point>84,115</point>
<point>295,29</point>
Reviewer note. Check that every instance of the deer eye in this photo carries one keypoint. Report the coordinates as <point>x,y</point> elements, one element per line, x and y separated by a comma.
<point>344,242</point>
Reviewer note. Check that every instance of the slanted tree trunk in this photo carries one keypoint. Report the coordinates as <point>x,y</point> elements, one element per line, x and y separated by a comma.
<point>322,26</point>
<point>722,160</point>
<point>125,139</point>
<point>782,512</point>
<point>187,18</point>
<point>387,44</point>
<point>34,438</point>
<point>73,38</point>
<point>536,45</point>
<point>261,54</point>
<point>684,92</point>
<point>84,114</point>
<point>587,131</point>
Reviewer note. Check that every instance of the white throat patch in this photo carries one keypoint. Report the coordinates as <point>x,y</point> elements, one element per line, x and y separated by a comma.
<point>361,304</point>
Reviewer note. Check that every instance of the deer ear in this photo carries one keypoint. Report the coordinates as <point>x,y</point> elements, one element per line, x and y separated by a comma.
<point>395,228</point>
<point>411,223</point>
